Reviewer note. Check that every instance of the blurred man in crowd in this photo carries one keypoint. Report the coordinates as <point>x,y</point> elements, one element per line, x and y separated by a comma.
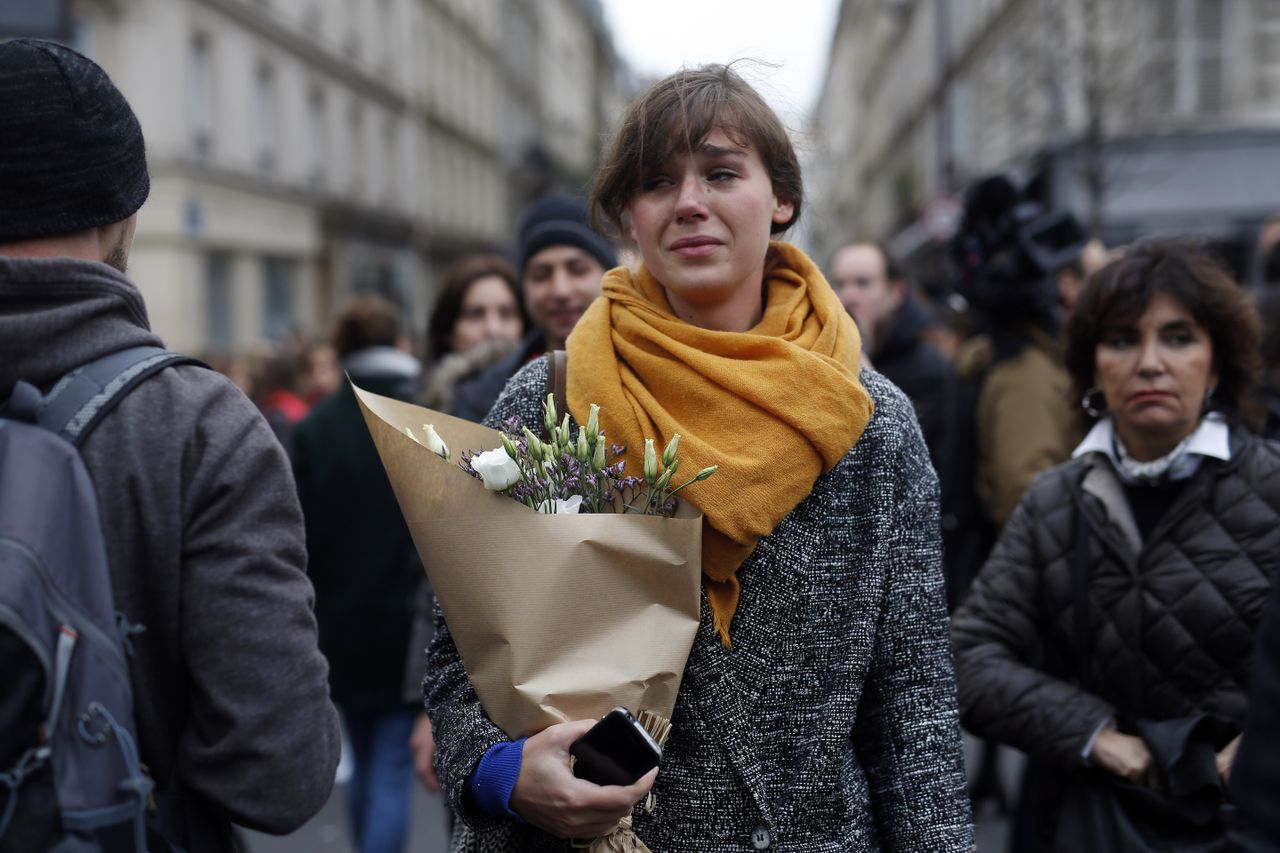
<point>364,567</point>
<point>199,515</point>
<point>562,261</point>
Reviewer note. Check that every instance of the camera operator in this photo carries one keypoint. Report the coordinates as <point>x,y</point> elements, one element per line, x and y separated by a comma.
<point>1010,252</point>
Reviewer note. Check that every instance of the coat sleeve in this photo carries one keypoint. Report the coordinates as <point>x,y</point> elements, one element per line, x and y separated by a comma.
<point>262,741</point>
<point>997,637</point>
<point>908,735</point>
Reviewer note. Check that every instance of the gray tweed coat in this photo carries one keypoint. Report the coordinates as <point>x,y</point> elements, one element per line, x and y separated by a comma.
<point>832,725</point>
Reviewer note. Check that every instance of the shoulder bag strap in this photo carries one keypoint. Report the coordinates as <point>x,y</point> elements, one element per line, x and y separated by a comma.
<point>558,378</point>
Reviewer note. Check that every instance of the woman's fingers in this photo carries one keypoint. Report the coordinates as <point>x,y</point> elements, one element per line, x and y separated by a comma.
<point>550,797</point>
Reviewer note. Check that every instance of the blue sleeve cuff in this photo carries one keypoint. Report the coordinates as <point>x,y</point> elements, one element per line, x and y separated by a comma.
<point>494,779</point>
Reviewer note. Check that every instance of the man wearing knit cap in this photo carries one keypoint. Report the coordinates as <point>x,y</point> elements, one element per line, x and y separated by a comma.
<point>198,510</point>
<point>562,261</point>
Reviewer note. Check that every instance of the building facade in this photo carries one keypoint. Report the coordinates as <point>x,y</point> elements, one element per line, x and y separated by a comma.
<point>301,150</point>
<point>1140,116</point>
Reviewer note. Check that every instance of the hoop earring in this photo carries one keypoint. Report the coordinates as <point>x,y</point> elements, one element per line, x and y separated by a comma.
<point>1086,403</point>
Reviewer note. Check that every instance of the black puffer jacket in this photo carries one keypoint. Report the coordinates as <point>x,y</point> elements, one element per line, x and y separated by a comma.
<point>1172,619</point>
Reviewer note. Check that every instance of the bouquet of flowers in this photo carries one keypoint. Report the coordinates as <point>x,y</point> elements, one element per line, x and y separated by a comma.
<point>557,614</point>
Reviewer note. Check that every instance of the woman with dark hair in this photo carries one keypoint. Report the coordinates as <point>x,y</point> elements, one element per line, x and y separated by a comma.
<point>476,321</point>
<point>816,711</point>
<point>1109,633</point>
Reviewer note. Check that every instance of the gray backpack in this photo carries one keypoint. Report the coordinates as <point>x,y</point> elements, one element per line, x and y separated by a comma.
<point>70,775</point>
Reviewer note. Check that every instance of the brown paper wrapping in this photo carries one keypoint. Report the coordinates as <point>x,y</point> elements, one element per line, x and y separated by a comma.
<point>556,617</point>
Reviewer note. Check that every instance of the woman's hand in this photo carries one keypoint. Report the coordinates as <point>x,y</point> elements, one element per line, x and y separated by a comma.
<point>423,746</point>
<point>550,797</point>
<point>1227,757</point>
<point>1125,756</point>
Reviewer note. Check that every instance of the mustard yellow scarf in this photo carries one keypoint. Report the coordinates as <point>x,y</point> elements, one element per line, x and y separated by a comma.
<point>775,406</point>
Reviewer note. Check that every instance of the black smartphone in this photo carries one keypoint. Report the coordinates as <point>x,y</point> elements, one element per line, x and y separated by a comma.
<point>615,751</point>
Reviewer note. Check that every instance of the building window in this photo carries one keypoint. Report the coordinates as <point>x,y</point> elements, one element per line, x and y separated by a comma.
<point>218,305</point>
<point>390,159</point>
<point>1188,64</point>
<point>264,121</point>
<point>357,151</point>
<point>200,98</point>
<point>1266,52</point>
<point>317,140</point>
<point>277,306</point>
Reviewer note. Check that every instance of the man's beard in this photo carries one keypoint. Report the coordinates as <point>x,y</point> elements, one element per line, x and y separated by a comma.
<point>118,257</point>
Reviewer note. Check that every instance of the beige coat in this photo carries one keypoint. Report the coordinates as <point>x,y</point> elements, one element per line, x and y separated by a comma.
<point>1026,423</point>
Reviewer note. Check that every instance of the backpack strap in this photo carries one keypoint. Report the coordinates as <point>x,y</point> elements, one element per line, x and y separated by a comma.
<point>84,396</point>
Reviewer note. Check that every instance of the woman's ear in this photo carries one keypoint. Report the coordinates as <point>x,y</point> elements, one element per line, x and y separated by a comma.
<point>784,211</point>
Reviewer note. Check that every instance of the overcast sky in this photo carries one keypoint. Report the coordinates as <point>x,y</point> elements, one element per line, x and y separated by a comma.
<point>656,37</point>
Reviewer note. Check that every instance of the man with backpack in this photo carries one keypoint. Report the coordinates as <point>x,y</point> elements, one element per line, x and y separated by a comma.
<point>169,478</point>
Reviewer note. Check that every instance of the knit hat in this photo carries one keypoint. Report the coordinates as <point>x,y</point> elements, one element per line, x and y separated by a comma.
<point>71,150</point>
<point>562,221</point>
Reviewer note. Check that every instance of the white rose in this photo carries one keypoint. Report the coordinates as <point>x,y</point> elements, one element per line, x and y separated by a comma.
<point>434,442</point>
<point>559,507</point>
<point>498,470</point>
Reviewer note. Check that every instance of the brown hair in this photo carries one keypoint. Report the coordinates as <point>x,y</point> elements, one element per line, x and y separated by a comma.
<point>1121,291</point>
<point>453,293</point>
<point>677,113</point>
<point>369,320</point>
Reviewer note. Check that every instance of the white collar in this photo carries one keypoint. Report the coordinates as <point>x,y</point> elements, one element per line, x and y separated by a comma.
<point>1212,438</point>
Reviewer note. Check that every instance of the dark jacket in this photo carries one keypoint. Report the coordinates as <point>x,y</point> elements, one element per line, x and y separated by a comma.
<point>921,371</point>
<point>832,723</point>
<point>1255,779</point>
<point>362,561</point>
<point>205,544</point>
<point>475,396</point>
<point>1172,618</point>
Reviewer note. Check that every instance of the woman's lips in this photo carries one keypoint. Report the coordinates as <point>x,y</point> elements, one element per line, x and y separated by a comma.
<point>1149,396</point>
<point>695,247</point>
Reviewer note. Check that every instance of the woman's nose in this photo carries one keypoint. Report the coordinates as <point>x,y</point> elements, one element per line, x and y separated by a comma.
<point>690,201</point>
<point>1150,360</point>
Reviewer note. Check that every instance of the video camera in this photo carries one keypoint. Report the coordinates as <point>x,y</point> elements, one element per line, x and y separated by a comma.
<point>1008,246</point>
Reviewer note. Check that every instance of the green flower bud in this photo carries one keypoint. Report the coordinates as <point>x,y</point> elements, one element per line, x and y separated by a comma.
<point>584,449</point>
<point>705,473</point>
<point>664,481</point>
<point>593,424</point>
<point>549,414</point>
<point>597,460</point>
<point>669,455</point>
<point>409,433</point>
<point>536,450</point>
<point>509,446</point>
<point>564,433</point>
<point>650,462</point>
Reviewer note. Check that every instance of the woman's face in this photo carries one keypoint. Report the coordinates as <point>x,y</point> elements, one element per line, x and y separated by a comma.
<point>1156,372</point>
<point>489,313</point>
<point>702,223</point>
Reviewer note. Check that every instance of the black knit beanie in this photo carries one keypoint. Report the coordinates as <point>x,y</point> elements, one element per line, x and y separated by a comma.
<point>561,221</point>
<point>71,150</point>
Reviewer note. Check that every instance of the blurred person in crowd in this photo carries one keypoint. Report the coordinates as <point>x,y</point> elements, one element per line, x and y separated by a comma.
<point>477,321</point>
<point>1255,779</point>
<point>1268,252</point>
<point>199,515</point>
<point>821,553</point>
<point>1110,631</point>
<point>874,291</point>
<point>321,372</point>
<point>1267,300</point>
<point>1025,422</point>
<point>562,260</point>
<point>364,567</point>
<point>276,384</point>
